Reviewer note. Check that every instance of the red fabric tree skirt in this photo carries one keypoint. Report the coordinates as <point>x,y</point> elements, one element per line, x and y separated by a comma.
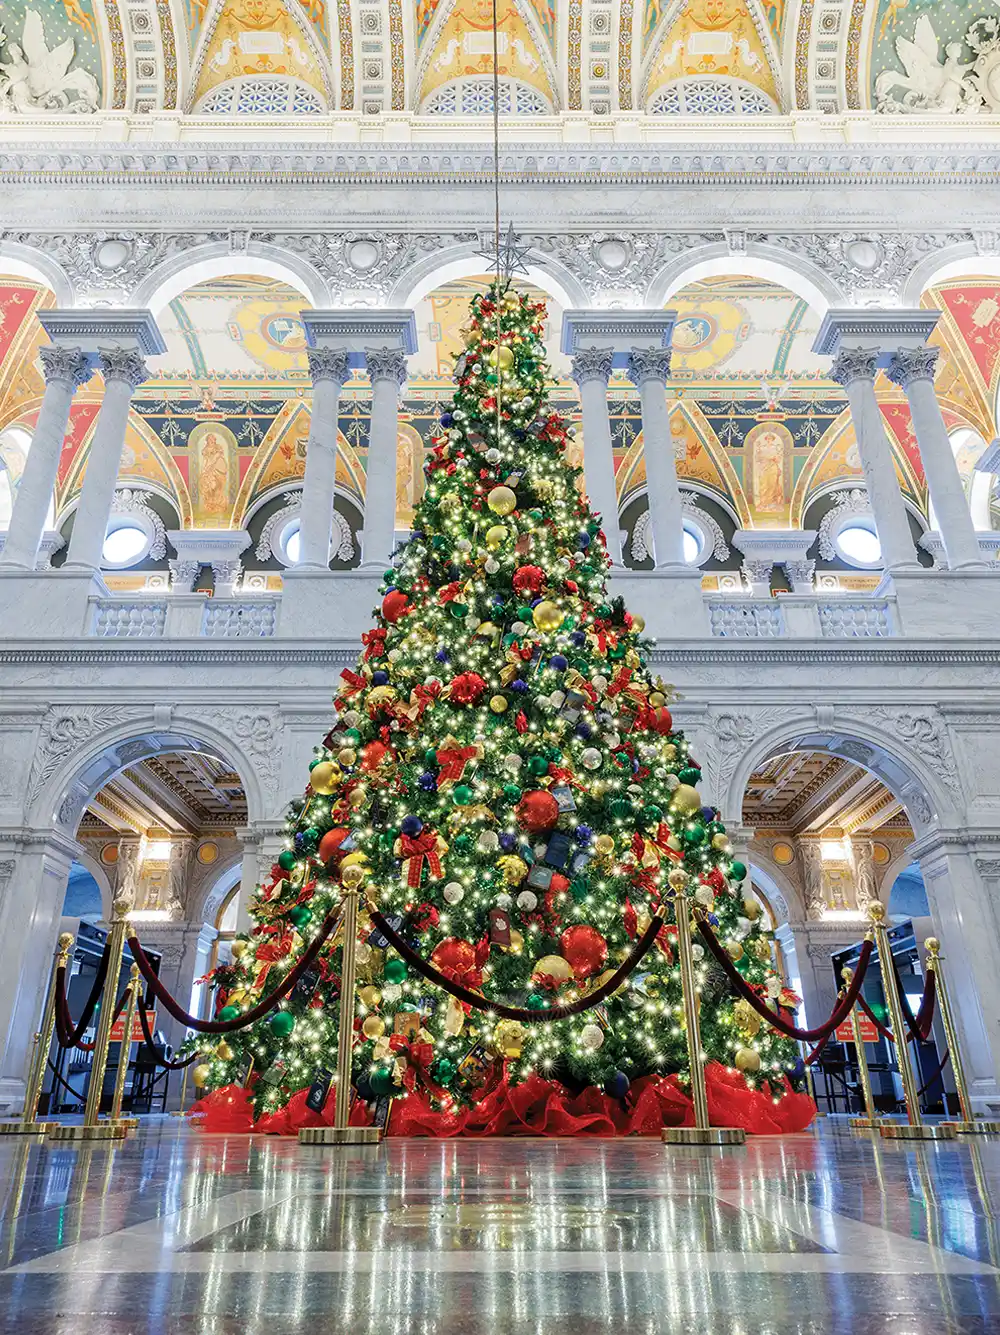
<point>535,1108</point>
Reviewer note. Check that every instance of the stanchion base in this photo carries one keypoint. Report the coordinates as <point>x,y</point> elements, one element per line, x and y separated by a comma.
<point>976,1128</point>
<point>926,1131</point>
<point>79,1132</point>
<point>26,1128</point>
<point>866,1123</point>
<point>703,1135</point>
<point>340,1135</point>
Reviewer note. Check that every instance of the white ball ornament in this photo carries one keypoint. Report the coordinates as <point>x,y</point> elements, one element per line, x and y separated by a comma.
<point>488,842</point>
<point>463,545</point>
<point>591,1037</point>
<point>518,628</point>
<point>612,739</point>
<point>394,655</point>
<point>493,455</point>
<point>363,953</point>
<point>705,895</point>
<point>600,684</point>
<point>453,893</point>
<point>513,762</point>
<point>591,758</point>
<point>473,622</point>
<point>697,950</point>
<point>491,567</point>
<point>527,900</point>
<point>352,718</point>
<point>672,782</point>
<point>503,901</point>
<point>391,992</point>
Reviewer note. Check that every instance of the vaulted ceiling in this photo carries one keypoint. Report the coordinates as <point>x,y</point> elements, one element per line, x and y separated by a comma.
<point>812,793</point>
<point>181,793</point>
<point>694,58</point>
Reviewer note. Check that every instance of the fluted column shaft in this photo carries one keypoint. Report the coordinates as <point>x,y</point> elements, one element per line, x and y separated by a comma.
<point>387,372</point>
<point>649,369</point>
<point>913,370</point>
<point>855,368</point>
<point>66,369</point>
<point>329,370</point>
<point>591,369</point>
<point>124,371</point>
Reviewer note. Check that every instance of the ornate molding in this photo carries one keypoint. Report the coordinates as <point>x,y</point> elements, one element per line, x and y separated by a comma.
<point>66,730</point>
<point>649,364</point>
<point>854,501</point>
<point>69,365</point>
<point>365,261</point>
<point>328,364</point>
<point>909,364</point>
<point>852,364</point>
<point>110,263</point>
<point>717,544</point>
<point>133,501</point>
<point>592,364</point>
<point>259,733</point>
<point>386,364</point>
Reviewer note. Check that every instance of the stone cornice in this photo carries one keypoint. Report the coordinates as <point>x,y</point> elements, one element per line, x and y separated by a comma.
<point>524,165</point>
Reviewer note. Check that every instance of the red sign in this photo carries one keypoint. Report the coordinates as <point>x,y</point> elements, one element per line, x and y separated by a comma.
<point>118,1028</point>
<point>845,1031</point>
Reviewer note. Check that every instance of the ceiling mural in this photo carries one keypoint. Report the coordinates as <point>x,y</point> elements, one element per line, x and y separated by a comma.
<point>754,422</point>
<point>711,40</point>
<point>942,56</point>
<point>50,57</point>
<point>462,50</point>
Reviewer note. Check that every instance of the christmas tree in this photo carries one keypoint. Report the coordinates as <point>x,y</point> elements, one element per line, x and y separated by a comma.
<point>505,784</point>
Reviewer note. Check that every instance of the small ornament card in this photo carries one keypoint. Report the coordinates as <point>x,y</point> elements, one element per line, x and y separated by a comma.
<point>318,1090</point>
<point>499,927</point>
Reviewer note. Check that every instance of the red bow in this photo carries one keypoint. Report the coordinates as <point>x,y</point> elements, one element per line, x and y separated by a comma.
<point>418,1055</point>
<point>354,680</point>
<point>425,917</point>
<point>418,850</point>
<point>374,641</point>
<point>453,761</point>
<point>449,592</point>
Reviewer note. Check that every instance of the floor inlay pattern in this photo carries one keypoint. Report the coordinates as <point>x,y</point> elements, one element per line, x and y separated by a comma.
<point>820,1234</point>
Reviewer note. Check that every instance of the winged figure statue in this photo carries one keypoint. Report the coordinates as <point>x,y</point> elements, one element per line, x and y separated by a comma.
<point>929,83</point>
<point>34,78</point>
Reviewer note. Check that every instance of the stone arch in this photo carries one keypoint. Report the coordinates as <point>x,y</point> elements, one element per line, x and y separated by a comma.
<point>216,260</point>
<point>101,876</point>
<point>902,751</point>
<point>956,261</point>
<point>82,748</point>
<point>21,261</point>
<point>782,897</point>
<point>218,891</point>
<point>715,260</point>
<point>466,260</point>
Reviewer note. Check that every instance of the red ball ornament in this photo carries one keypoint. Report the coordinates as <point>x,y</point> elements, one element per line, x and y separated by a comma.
<point>394,605</point>
<point>466,688</point>
<point>329,845</point>
<point>454,955</point>
<point>663,721</point>
<point>537,811</point>
<point>529,579</point>
<point>584,949</point>
<point>372,755</point>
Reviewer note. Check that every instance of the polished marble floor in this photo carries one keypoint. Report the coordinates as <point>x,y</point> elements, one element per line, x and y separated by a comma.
<point>826,1233</point>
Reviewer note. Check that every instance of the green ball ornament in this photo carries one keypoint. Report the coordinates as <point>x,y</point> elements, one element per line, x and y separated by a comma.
<point>462,794</point>
<point>443,1071</point>
<point>690,775</point>
<point>229,1013</point>
<point>737,871</point>
<point>463,844</point>
<point>536,1002</point>
<point>286,859</point>
<point>300,915</point>
<point>525,613</point>
<point>458,610</point>
<point>602,610</point>
<point>282,1024</point>
<point>314,763</point>
<point>579,889</point>
<point>352,737</point>
<point>512,792</point>
<point>621,808</point>
<point>693,835</point>
<point>381,1081</point>
<point>537,766</point>
<point>431,758</point>
<point>651,816</point>
<point>395,971</point>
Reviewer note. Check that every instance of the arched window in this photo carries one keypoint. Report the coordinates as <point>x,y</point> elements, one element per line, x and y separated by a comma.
<point>474,97</point>
<point>711,97</point>
<point>260,96</point>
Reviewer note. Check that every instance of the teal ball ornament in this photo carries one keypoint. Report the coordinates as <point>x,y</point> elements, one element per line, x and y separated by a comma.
<point>282,1024</point>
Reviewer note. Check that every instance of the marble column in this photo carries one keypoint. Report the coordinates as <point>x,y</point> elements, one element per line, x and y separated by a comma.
<point>124,370</point>
<point>250,877</point>
<point>65,370</point>
<point>591,369</point>
<point>387,372</point>
<point>913,370</point>
<point>329,370</point>
<point>855,368</point>
<point>648,369</point>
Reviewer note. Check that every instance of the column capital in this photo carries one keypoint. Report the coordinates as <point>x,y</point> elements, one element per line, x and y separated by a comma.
<point>328,364</point>
<point>649,364</point>
<point>852,364</point>
<point>70,365</point>
<point>124,364</point>
<point>386,364</point>
<point>592,364</point>
<point>909,364</point>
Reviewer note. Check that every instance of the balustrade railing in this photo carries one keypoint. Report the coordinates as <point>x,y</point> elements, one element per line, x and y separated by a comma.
<point>855,620</point>
<point>129,619</point>
<point>747,620</point>
<point>247,620</point>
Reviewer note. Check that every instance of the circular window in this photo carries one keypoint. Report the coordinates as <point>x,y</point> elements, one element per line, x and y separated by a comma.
<point>125,544</point>
<point>694,544</point>
<point>290,544</point>
<point>857,542</point>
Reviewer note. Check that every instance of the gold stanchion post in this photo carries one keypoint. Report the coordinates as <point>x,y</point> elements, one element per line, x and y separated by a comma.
<point>914,1128</point>
<point>970,1125</point>
<point>870,1121</point>
<point>184,1089</point>
<point>94,1127</point>
<point>124,1051</point>
<point>341,1133</point>
<point>26,1125</point>
<point>702,1133</point>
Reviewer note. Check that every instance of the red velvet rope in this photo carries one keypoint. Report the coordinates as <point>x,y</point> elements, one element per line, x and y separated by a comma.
<point>69,1035</point>
<point>886,1033</point>
<point>943,1063</point>
<point>251,1016</point>
<point>148,1038</point>
<point>479,1002</point>
<point>122,1002</point>
<point>840,1011</point>
<point>919,1025</point>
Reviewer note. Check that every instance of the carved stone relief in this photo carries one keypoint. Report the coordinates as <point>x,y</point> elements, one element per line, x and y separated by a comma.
<point>66,730</point>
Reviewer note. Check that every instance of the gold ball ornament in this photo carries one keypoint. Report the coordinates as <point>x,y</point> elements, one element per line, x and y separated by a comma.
<point>511,302</point>
<point>369,995</point>
<point>762,949</point>
<point>508,1038</point>
<point>224,1052</point>
<point>677,880</point>
<point>686,799</point>
<point>751,909</point>
<point>512,868</point>
<point>450,501</point>
<point>720,842</point>
<point>747,1060</point>
<point>358,796</point>
<point>355,859</point>
<point>326,777</point>
<point>238,949</point>
<point>347,756</point>
<point>352,877</point>
<point>604,845</point>
<point>638,623</point>
<point>382,695</point>
<point>516,943</point>
<point>746,1018</point>
<point>604,977</point>
<point>496,536</point>
<point>656,699</point>
<point>502,357</point>
<point>502,501</point>
<point>499,704</point>
<point>373,1026</point>
<point>547,616</point>
<point>200,1075</point>
<point>734,950</point>
<point>553,966</point>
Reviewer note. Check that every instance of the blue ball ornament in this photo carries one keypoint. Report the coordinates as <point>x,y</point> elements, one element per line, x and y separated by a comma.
<point>713,918</point>
<point>617,1085</point>
<point>428,782</point>
<point>411,826</point>
<point>380,678</point>
<point>559,663</point>
<point>579,638</point>
<point>798,1070</point>
<point>583,834</point>
<point>508,842</point>
<point>707,814</point>
<point>583,541</point>
<point>447,419</point>
<point>441,656</point>
<point>584,731</point>
<point>519,686</point>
